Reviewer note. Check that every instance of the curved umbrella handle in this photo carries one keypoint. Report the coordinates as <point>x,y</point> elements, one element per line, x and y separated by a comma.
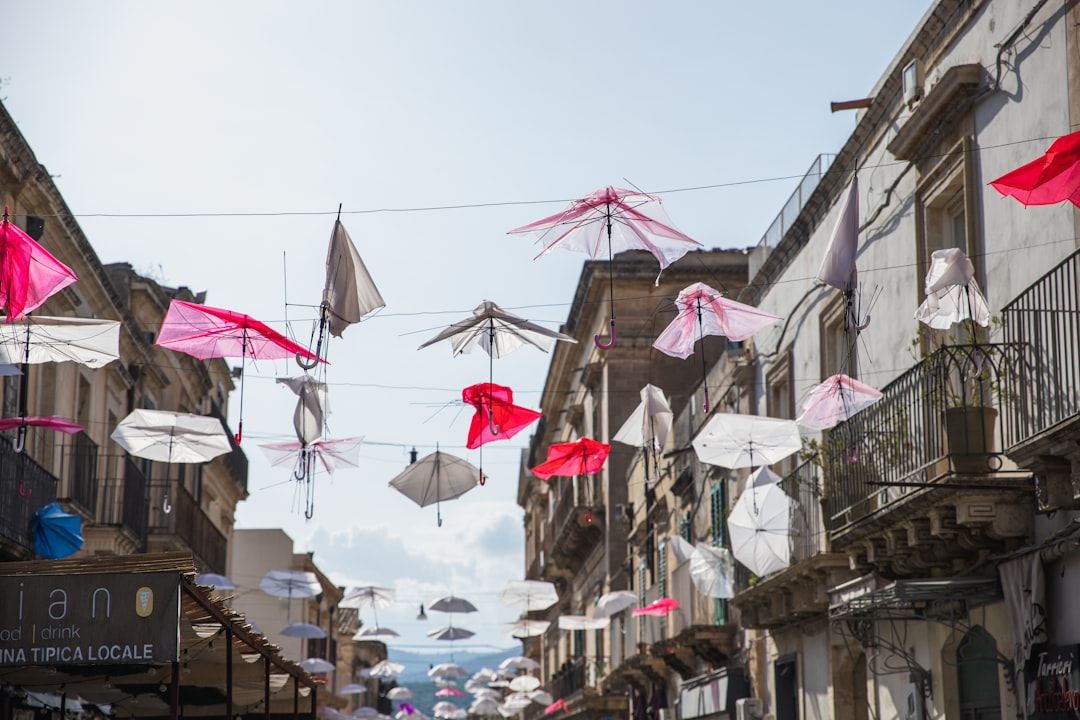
<point>300,361</point>
<point>854,324</point>
<point>492,427</point>
<point>24,491</point>
<point>610,343</point>
<point>166,506</point>
<point>239,432</point>
<point>705,405</point>
<point>20,439</point>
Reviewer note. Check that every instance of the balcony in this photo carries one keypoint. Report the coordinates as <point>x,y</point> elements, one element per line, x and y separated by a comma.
<point>577,526</point>
<point>25,486</point>
<point>176,514</point>
<point>125,498</point>
<point>575,683</point>
<point>235,460</point>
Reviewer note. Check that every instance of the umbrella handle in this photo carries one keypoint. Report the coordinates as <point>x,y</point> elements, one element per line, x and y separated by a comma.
<point>166,506</point>
<point>705,405</point>
<point>20,439</point>
<point>492,427</point>
<point>304,365</point>
<point>610,343</point>
<point>239,432</point>
<point>24,491</point>
<point>854,324</point>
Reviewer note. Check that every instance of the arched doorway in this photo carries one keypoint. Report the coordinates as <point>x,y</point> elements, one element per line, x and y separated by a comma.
<point>977,681</point>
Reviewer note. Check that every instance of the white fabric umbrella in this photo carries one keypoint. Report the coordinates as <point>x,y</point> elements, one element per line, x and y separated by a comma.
<point>384,669</point>
<point>680,548</point>
<point>172,437</point>
<point>508,711</point>
<point>582,622</point>
<point>713,571</point>
<point>349,293</point>
<point>436,478</point>
<point>309,417</point>
<point>519,662</point>
<point>40,339</point>
<point>400,693</point>
<point>353,689</point>
<point>448,670</point>
<point>759,528</point>
<point>517,700</point>
<point>374,632</point>
<point>763,476</point>
<point>444,709</point>
<point>484,706</point>
<point>541,696</point>
<point>526,628</point>
<point>613,602</point>
<point>838,265</point>
<point>529,595</point>
<point>450,633</point>
<point>290,584</point>
<point>737,441</point>
<point>648,427</point>
<point>952,293</point>
<point>317,665</point>
<point>218,582</point>
<point>451,604</point>
<point>371,596</point>
<point>524,683</point>
<point>496,332</point>
<point>307,631</point>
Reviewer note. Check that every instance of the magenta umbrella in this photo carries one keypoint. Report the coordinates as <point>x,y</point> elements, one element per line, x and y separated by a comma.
<point>704,311</point>
<point>52,422</point>
<point>29,274</point>
<point>619,219</point>
<point>208,332</point>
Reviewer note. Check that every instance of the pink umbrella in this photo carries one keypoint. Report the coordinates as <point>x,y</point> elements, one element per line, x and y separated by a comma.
<point>331,454</point>
<point>207,332</point>
<point>52,422</point>
<point>29,274</point>
<point>705,310</point>
<point>449,692</point>
<point>834,401</point>
<point>627,219</point>
<point>660,608</point>
<point>555,707</point>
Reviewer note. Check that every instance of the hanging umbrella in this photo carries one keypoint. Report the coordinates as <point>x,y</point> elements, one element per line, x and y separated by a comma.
<point>525,628</point>
<point>1048,180</point>
<point>737,441</point>
<point>529,595</point>
<point>496,417</point>
<point>518,700</point>
<point>712,571</point>
<point>625,219</point>
<point>451,604</point>
<point>57,534</point>
<point>581,457</point>
<point>371,596</point>
<point>658,608</point>
<point>952,293</point>
<point>40,339</point>
<point>207,332</point>
<point>444,709</point>
<point>290,584</point>
<point>449,692</point>
<point>443,682</point>
<point>648,428</point>
<point>519,662</point>
<point>556,707</point>
<point>303,458</point>
<point>763,476</point>
<point>450,633</point>
<point>353,689</point>
<point>29,274</point>
<point>317,665</point>
<point>759,527</point>
<point>704,311</point>
<point>375,632</point>
<point>218,582</point>
<point>583,622</point>
<point>50,422</point>
<point>680,548</point>
<point>171,437</point>
<point>484,706</point>
<point>543,697</point>
<point>838,265</point>
<point>349,293</point>
<point>835,400</point>
<point>306,631</point>
<point>435,479</point>
<point>400,693</point>
<point>524,683</point>
<point>614,602</point>
<point>385,669</point>
<point>447,670</point>
<point>309,417</point>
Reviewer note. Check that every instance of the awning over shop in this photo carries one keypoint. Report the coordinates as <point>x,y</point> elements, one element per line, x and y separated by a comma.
<point>931,598</point>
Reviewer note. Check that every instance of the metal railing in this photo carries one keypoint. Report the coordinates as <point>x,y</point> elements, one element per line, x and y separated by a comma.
<point>935,419</point>
<point>794,205</point>
<point>581,491</point>
<point>82,471</point>
<point>235,460</point>
<point>174,511</point>
<point>1045,317</point>
<point>25,486</point>
<point>569,678</point>
<point>808,534</point>
<point>125,498</point>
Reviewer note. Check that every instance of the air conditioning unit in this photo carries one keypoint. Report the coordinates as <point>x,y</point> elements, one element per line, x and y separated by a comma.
<point>912,83</point>
<point>749,709</point>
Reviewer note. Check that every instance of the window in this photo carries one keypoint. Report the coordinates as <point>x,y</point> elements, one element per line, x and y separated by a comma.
<point>686,528</point>
<point>717,506</point>
<point>839,349</point>
<point>977,676</point>
<point>579,643</point>
<point>780,386</point>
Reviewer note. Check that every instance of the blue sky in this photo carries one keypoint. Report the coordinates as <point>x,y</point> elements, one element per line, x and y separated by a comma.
<point>273,113</point>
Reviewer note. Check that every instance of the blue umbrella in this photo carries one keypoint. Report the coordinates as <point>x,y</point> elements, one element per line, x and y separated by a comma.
<point>57,534</point>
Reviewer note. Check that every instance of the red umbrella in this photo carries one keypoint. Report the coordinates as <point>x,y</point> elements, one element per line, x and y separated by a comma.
<point>555,707</point>
<point>582,457</point>
<point>207,332</point>
<point>496,418</point>
<point>660,608</point>
<point>29,274</point>
<point>1048,180</point>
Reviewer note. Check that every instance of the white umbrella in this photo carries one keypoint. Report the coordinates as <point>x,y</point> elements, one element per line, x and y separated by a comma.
<point>172,437</point>
<point>385,669</point>
<point>309,417</point>
<point>529,595</point>
<point>519,662</point>
<point>508,711</point>
<point>541,696</point>
<point>524,683</point>
<point>352,689</point>
<point>759,527</point>
<point>307,631</point>
<point>400,693</point>
<point>451,604</point>
<point>371,596</point>
<point>485,692</point>
<point>448,670</point>
<point>497,332</point>
<point>952,293</point>
<point>218,582</point>
<point>317,665</point>
<point>526,628</point>
<point>712,571</point>
<point>40,339</point>
<point>484,706</point>
<point>613,602</point>
<point>648,427</point>
<point>374,632</point>
<point>444,709</point>
<point>450,633</point>
<point>763,476</point>
<point>518,700</point>
<point>583,622</point>
<point>436,478</point>
<point>444,683</point>
<point>737,441</point>
<point>680,548</point>
<point>349,293</point>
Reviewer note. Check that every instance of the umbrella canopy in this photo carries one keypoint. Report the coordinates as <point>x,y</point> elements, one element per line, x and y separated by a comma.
<point>332,455</point>
<point>648,427</point>
<point>555,707</point>
<point>712,571</point>
<point>371,596</point>
<point>704,311</point>
<point>658,608</point>
<point>448,670</point>
<point>582,622</point>
<point>400,693</point>
<point>317,665</point>
<point>309,417</point>
<point>517,700</point>
<point>838,266</point>
<point>763,476</point>
<point>443,682</point>
<point>529,595</point>
<point>541,696</point>
<point>519,662</point>
<point>524,683</point>
<point>436,478</point>
<point>290,584</point>
<point>307,631</point>
<point>614,602</point>
<point>385,669</point>
<point>736,441</point>
<point>1048,180</point>
<point>57,534</point>
<point>349,293</point>
<point>607,222</point>
<point>444,709</point>
<point>835,400</point>
<point>484,706</point>
<point>218,582</point>
<point>680,548</point>
<point>40,339</point>
<point>759,527</point>
<point>496,332</point>
<point>374,632</point>
<point>172,437</point>
<point>354,689</point>
<point>952,293</point>
<point>526,628</point>
<point>49,422</point>
<point>450,633</point>
<point>449,692</point>
<point>451,604</point>
<point>496,417</point>
<point>581,457</point>
<point>29,274</point>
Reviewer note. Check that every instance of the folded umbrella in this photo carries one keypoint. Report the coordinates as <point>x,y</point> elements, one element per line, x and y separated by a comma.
<point>648,427</point>
<point>496,417</point>
<point>614,602</point>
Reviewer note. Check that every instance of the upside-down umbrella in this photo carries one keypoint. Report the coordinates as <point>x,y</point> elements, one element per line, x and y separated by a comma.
<point>952,293</point>
<point>838,265</point>
<point>1047,180</point>
<point>619,220</point>
<point>648,427</point>
<point>529,595</point>
<point>581,457</point>
<point>835,400</point>
<point>525,628</point>
<point>447,670</point>
<point>56,533</point>
<point>519,662</point>
<point>400,693</point>
<point>614,602</point>
<point>737,441</point>
<point>317,665</point>
<point>704,311</point>
<point>435,479</point>
<point>496,416</point>
<point>712,571</point>
<point>290,584</point>
<point>583,622</point>
<point>50,422</point>
<point>29,274</point>
<point>208,332</point>
<point>525,683</point>
<point>349,293</point>
<point>657,608</point>
<point>759,528</point>
<point>555,707</point>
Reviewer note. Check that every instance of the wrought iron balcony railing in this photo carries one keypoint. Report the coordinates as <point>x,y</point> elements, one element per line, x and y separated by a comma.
<point>174,511</point>
<point>235,460</point>
<point>125,498</point>
<point>1045,318</point>
<point>808,534</point>
<point>25,486</point>
<point>937,419</point>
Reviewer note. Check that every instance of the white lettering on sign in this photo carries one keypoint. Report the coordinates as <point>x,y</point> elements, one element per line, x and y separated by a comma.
<point>1061,666</point>
<point>108,603</point>
<point>58,608</point>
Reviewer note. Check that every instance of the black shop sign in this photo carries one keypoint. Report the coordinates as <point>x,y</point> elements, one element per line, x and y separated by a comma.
<point>1053,681</point>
